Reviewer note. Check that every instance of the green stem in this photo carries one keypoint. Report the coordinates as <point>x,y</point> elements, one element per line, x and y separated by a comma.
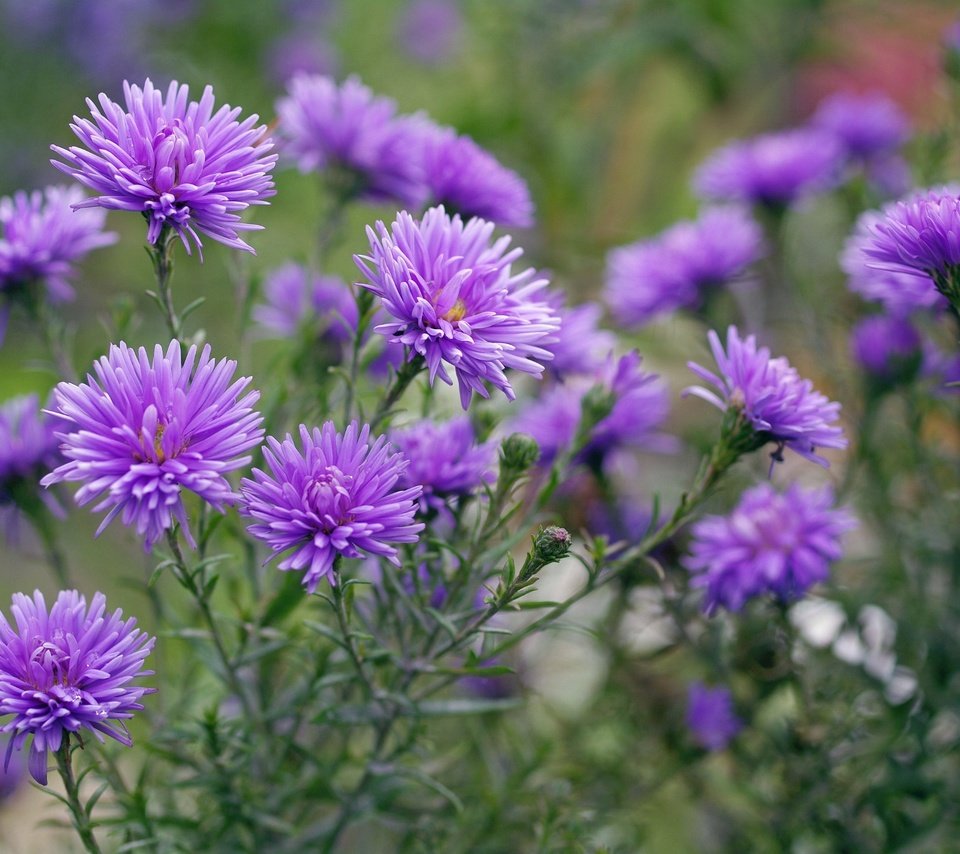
<point>343,621</point>
<point>81,820</point>
<point>162,256</point>
<point>407,373</point>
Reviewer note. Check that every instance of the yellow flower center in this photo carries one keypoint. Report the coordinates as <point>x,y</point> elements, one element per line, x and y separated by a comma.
<point>457,312</point>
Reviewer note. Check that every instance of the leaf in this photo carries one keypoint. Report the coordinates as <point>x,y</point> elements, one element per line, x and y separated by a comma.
<point>289,596</point>
<point>429,782</point>
<point>261,652</point>
<point>492,670</point>
<point>92,802</point>
<point>326,632</point>
<point>192,307</point>
<point>445,623</point>
<point>466,706</point>
<point>532,605</point>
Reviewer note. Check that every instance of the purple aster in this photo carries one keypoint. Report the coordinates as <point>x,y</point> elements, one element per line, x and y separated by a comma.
<point>28,449</point>
<point>455,301</point>
<point>347,128</point>
<point>780,543</point>
<point>444,458</point>
<point>144,430</point>
<point>295,296</point>
<point>941,368</point>
<point>300,53</point>
<point>774,169</point>
<point>68,669</point>
<point>581,346</point>
<point>176,161</point>
<point>469,181</point>
<point>431,30</point>
<point>41,236</point>
<point>711,717</point>
<point>780,406</point>
<point>887,347</point>
<point>335,498</point>
<point>11,775</point>
<point>866,125</point>
<point>677,268</point>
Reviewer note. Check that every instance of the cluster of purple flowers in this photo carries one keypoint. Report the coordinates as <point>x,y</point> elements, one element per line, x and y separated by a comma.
<point>711,718</point>
<point>370,151</point>
<point>677,268</point>
<point>778,543</point>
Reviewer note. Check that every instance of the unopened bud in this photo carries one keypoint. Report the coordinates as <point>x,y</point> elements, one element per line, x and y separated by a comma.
<point>552,544</point>
<point>596,405</point>
<point>519,452</point>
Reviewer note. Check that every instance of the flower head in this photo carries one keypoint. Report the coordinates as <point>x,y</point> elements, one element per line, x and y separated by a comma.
<point>348,129</point>
<point>336,497</point>
<point>678,267</point>
<point>28,447</point>
<point>454,300</point>
<point>430,30</point>
<point>887,347</point>
<point>179,163</point>
<point>144,430</point>
<point>41,236</point>
<point>779,543</point>
<point>67,669</point>
<point>711,717</point>
<point>780,406</point>
<point>444,458</point>
<point>772,169</point>
<point>469,181</point>
<point>866,125</point>
<point>581,346</point>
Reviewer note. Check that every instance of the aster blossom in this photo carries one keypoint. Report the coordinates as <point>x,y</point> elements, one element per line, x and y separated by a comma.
<point>770,395</point>
<point>347,129</point>
<point>779,543</point>
<point>711,718</point>
<point>581,346</point>
<point>887,347</point>
<point>866,124</point>
<point>336,497</point>
<point>41,236</point>
<point>28,447</point>
<point>455,301</point>
<point>773,169</point>
<point>179,163</point>
<point>68,669</point>
<point>295,296</point>
<point>143,430</point>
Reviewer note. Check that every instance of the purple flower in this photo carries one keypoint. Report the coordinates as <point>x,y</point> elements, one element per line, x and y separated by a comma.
<point>11,775</point>
<point>28,448</point>
<point>295,296</point>
<point>711,717</point>
<point>469,181</point>
<point>444,459</point>
<point>581,346</point>
<point>941,368</point>
<point>41,236</point>
<point>887,347</point>
<point>866,125</point>
<point>675,269</point>
<point>176,161</point>
<point>145,430</point>
<point>335,498</point>
<point>455,301</point>
<point>300,53</point>
<point>431,30</point>
<point>780,543</point>
<point>773,169</point>
<point>348,129</point>
<point>68,669</point>
<point>780,405</point>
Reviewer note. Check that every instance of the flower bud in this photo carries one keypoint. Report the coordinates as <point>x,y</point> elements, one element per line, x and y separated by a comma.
<point>519,452</point>
<point>552,544</point>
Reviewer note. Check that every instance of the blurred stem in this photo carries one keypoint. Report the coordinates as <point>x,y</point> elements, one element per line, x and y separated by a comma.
<point>51,330</point>
<point>81,819</point>
<point>162,256</point>
<point>343,621</point>
<point>364,301</point>
<point>407,373</point>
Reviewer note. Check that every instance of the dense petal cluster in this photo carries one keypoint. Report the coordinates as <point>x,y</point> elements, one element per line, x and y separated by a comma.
<point>67,669</point>
<point>887,347</point>
<point>675,269</point>
<point>347,128</point>
<point>41,236</point>
<point>454,300</point>
<point>778,543</point>
<point>336,497</point>
<point>774,169</point>
<point>469,181</point>
<point>145,429</point>
<point>295,296</point>
<point>182,165</point>
<point>711,718</point>
<point>866,125</point>
<point>781,406</point>
<point>444,458</point>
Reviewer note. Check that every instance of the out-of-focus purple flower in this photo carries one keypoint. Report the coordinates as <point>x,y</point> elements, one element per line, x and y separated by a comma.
<point>41,236</point>
<point>144,430</point>
<point>348,130</point>
<point>866,125</point>
<point>68,669</point>
<point>296,296</point>
<point>455,301</point>
<point>781,406</point>
<point>781,543</point>
<point>301,53</point>
<point>337,497</point>
<point>469,181</point>
<point>11,774</point>
<point>431,30</point>
<point>899,291</point>
<point>774,169</point>
<point>711,718</point>
<point>675,269</point>
<point>174,160</point>
<point>887,347</point>
<point>951,46</point>
<point>941,368</point>
<point>889,175</point>
<point>444,458</point>
<point>581,346</point>
<point>28,448</point>
<point>641,403</point>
